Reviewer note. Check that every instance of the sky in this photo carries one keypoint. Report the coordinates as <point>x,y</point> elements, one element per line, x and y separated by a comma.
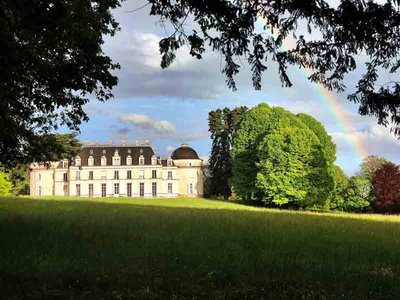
<point>171,106</point>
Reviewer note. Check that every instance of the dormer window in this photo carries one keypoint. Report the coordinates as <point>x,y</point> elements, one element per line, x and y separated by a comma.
<point>77,161</point>
<point>169,162</point>
<point>91,151</point>
<point>141,160</point>
<point>103,160</point>
<point>104,151</point>
<point>129,151</point>
<point>128,160</point>
<point>65,164</point>
<point>90,161</point>
<point>153,160</point>
<point>116,159</point>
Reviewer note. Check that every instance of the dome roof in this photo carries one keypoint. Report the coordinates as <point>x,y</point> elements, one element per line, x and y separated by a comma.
<point>184,152</point>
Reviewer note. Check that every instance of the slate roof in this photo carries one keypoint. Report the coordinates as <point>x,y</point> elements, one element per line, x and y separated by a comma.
<point>184,152</point>
<point>123,151</point>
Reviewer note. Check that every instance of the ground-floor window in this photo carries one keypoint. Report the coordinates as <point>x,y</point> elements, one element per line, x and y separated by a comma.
<point>116,188</point>
<point>154,189</point>
<point>90,190</point>
<point>169,188</point>
<point>78,190</point>
<point>129,189</point>
<point>103,190</point>
<point>190,188</point>
<point>40,191</point>
<point>65,190</point>
<point>141,189</point>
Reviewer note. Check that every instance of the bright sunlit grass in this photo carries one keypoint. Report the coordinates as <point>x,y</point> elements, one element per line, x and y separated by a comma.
<point>166,248</point>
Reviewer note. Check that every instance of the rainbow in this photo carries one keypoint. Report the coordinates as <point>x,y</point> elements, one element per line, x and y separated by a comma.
<point>334,106</point>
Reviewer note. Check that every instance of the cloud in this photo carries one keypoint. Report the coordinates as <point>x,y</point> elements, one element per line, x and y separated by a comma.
<point>148,123</point>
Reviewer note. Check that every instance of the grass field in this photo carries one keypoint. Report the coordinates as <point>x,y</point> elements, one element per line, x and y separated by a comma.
<point>192,248</point>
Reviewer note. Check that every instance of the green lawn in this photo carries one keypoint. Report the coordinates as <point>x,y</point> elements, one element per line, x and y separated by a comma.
<point>192,248</point>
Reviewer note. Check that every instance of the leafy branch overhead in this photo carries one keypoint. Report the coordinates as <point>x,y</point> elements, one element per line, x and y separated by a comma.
<point>353,28</point>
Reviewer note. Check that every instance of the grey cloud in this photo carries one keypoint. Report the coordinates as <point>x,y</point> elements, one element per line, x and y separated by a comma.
<point>148,123</point>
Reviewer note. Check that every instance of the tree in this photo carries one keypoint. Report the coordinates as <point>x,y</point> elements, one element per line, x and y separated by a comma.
<point>5,184</point>
<point>279,159</point>
<point>222,125</point>
<point>337,197</point>
<point>248,135</point>
<point>340,34</point>
<point>357,195</point>
<point>53,62</point>
<point>292,168</point>
<point>19,178</point>
<point>386,182</point>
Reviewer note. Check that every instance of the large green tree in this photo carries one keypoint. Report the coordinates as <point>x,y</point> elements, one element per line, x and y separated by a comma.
<point>5,184</point>
<point>52,62</point>
<point>337,198</point>
<point>222,126</point>
<point>357,196</point>
<point>338,33</point>
<point>279,159</point>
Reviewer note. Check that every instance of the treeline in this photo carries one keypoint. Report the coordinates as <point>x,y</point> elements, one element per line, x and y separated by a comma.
<point>270,155</point>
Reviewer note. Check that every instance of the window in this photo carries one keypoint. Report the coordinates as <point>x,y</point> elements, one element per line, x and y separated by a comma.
<point>129,189</point>
<point>169,188</point>
<point>90,161</point>
<point>128,160</point>
<point>104,175</point>
<point>103,160</point>
<point>78,190</point>
<point>169,174</point>
<point>141,174</point>
<point>40,176</point>
<point>65,177</point>
<point>90,175</point>
<point>116,174</point>
<point>141,160</point>
<point>116,188</point>
<point>190,164</point>
<point>77,161</point>
<point>40,191</point>
<point>103,190</point>
<point>169,162</point>
<point>129,174</point>
<point>91,151</point>
<point>129,151</point>
<point>78,175</point>
<point>141,189</point>
<point>90,190</point>
<point>153,160</point>
<point>153,174</point>
<point>154,189</point>
<point>104,151</point>
<point>190,188</point>
<point>65,190</point>
<point>65,164</point>
<point>116,160</point>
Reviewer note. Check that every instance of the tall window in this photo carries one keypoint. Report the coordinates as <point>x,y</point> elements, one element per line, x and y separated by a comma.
<point>190,188</point>
<point>65,164</point>
<point>78,190</point>
<point>128,160</point>
<point>129,189</point>
<point>141,160</point>
<point>129,174</point>
<point>90,161</point>
<point>104,175</point>
<point>65,190</point>
<point>103,160</point>
<point>90,190</point>
<point>116,188</point>
<point>78,175</point>
<point>154,189</point>
<point>169,174</point>
<point>40,190</point>
<point>141,189</point>
<point>141,174</point>
<point>153,160</point>
<point>153,174</point>
<point>116,174</point>
<point>90,175</point>
<point>103,190</point>
<point>169,188</point>
<point>65,177</point>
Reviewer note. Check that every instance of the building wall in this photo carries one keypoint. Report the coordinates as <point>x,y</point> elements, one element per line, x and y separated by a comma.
<point>41,181</point>
<point>191,179</point>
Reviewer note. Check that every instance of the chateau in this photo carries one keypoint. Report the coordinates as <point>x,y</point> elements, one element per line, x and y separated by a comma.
<point>121,171</point>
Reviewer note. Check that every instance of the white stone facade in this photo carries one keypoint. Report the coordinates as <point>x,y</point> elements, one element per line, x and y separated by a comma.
<point>120,171</point>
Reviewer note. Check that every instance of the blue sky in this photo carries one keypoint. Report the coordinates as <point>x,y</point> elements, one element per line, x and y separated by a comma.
<point>171,106</point>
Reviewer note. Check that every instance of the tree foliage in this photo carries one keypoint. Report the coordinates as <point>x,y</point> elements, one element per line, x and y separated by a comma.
<point>340,34</point>
<point>222,126</point>
<point>5,184</point>
<point>53,61</point>
<point>337,198</point>
<point>357,196</point>
<point>279,159</point>
<point>386,182</point>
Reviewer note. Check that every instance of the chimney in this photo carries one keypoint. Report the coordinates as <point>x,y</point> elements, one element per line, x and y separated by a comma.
<point>146,142</point>
<point>97,143</point>
<point>110,142</point>
<point>137,143</point>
